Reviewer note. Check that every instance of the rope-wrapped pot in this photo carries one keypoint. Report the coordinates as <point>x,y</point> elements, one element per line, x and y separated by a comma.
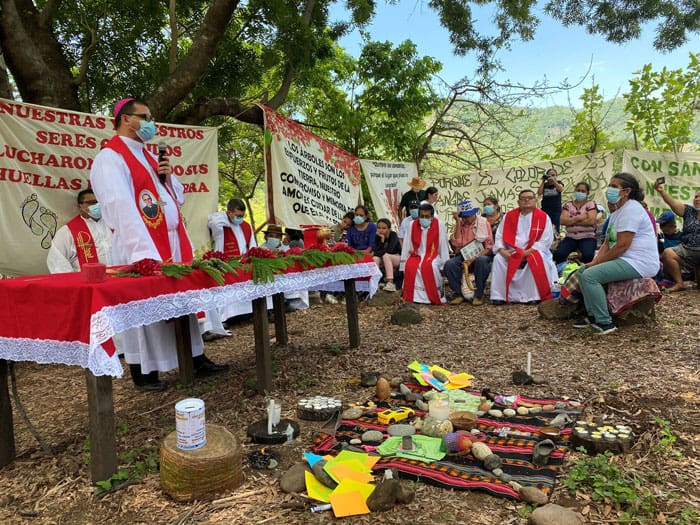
<point>202,473</point>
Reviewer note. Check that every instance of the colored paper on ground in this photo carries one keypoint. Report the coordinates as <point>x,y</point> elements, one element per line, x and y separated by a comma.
<point>462,379</point>
<point>342,472</point>
<point>311,458</point>
<point>350,485</point>
<point>348,504</point>
<point>315,489</point>
<point>366,459</point>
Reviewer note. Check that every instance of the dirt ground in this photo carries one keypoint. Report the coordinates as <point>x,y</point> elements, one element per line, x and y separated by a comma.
<point>632,376</point>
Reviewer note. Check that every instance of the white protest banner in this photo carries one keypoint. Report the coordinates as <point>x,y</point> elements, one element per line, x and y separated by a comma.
<point>681,170</point>
<point>45,160</point>
<point>505,183</point>
<point>387,182</point>
<point>309,180</point>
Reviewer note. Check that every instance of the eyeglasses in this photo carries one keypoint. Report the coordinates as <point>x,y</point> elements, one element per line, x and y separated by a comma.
<point>144,116</point>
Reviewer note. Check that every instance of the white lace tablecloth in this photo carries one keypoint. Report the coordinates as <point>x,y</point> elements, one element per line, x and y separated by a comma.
<point>111,320</point>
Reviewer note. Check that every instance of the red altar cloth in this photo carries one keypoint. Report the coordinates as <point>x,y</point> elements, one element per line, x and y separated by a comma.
<point>59,318</point>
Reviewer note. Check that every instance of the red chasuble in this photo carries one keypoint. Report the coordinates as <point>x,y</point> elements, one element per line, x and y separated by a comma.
<point>84,243</point>
<point>425,267</point>
<point>231,248</point>
<point>534,260</point>
<point>152,214</point>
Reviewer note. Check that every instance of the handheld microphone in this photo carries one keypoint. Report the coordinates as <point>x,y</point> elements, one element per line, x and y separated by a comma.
<point>162,151</point>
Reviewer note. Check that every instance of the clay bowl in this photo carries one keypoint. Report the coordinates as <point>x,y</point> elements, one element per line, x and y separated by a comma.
<point>463,420</point>
<point>552,433</point>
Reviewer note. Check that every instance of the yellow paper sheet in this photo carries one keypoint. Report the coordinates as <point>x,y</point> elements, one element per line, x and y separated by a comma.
<point>315,489</point>
<point>342,472</point>
<point>349,485</point>
<point>368,460</point>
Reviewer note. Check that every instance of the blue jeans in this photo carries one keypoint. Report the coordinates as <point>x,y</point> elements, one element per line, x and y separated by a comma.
<point>567,245</point>
<point>591,281</point>
<point>481,267</point>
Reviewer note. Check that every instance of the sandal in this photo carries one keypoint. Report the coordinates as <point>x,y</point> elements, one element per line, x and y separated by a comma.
<point>541,452</point>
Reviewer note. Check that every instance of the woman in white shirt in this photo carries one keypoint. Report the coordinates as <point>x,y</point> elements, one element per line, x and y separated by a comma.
<point>628,251</point>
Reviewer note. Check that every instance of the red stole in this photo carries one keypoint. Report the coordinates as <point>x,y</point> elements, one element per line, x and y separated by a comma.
<point>534,260</point>
<point>414,263</point>
<point>153,215</point>
<point>84,243</point>
<point>231,248</point>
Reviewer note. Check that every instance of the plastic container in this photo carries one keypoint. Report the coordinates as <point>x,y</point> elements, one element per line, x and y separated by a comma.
<point>190,424</point>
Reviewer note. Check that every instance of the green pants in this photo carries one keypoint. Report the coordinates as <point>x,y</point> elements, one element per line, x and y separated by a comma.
<point>591,281</point>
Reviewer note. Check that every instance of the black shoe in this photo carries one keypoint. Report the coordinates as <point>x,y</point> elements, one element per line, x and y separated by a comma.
<point>158,386</point>
<point>532,303</point>
<point>498,303</point>
<point>583,322</point>
<point>206,368</point>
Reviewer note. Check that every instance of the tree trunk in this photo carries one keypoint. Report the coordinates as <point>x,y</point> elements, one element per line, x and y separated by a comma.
<point>35,57</point>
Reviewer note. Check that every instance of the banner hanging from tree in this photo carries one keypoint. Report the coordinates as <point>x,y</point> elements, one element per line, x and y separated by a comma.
<point>309,180</point>
<point>505,183</point>
<point>45,160</point>
<point>387,182</point>
<point>681,171</point>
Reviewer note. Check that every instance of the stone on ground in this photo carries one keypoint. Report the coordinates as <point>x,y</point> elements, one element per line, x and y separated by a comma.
<point>552,514</point>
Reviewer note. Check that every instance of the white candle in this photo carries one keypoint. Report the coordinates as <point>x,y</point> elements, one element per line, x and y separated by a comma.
<point>270,415</point>
<point>529,363</point>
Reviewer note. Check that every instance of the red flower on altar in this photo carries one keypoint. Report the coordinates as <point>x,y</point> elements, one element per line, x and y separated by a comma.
<point>147,267</point>
<point>294,251</point>
<point>262,253</point>
<point>343,247</point>
<point>214,254</point>
<point>318,246</point>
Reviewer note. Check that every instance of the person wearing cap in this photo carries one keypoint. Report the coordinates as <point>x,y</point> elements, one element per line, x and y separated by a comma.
<point>415,193</point>
<point>84,239</point>
<point>684,258</point>
<point>669,229</point>
<point>423,255</point>
<point>579,217</point>
<point>523,269</point>
<point>469,226</point>
<point>122,173</point>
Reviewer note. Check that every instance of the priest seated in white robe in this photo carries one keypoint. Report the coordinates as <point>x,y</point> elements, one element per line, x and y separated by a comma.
<point>423,255</point>
<point>523,269</point>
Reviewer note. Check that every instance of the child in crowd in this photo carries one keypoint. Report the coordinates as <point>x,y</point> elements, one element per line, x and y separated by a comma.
<point>387,252</point>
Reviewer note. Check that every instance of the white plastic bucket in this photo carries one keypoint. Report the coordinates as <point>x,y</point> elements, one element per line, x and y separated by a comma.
<point>189,424</point>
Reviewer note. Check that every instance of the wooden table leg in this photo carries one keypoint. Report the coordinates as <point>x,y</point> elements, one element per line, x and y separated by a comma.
<point>353,316</point>
<point>263,357</point>
<point>103,445</point>
<point>183,342</point>
<point>7,433</point>
<point>280,319</point>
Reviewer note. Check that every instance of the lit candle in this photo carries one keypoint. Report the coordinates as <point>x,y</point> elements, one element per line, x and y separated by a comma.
<point>529,363</point>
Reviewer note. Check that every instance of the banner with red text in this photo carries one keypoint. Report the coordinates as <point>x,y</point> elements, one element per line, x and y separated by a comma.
<point>387,182</point>
<point>45,160</point>
<point>309,180</point>
<point>505,183</point>
<point>681,172</point>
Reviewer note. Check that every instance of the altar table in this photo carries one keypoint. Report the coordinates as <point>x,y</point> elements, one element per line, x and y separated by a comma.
<point>61,319</point>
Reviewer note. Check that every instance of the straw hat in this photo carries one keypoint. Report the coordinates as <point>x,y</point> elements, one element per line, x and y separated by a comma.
<point>416,183</point>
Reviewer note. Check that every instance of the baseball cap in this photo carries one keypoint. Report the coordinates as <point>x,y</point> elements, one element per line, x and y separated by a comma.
<point>666,217</point>
<point>466,209</point>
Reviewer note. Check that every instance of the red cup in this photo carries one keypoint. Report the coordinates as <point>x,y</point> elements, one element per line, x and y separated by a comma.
<point>93,272</point>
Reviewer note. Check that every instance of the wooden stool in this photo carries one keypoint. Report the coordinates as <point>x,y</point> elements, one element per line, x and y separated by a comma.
<point>202,473</point>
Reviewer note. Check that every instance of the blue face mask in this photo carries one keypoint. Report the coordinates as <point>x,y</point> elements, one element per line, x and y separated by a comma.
<point>612,195</point>
<point>580,195</point>
<point>95,211</point>
<point>488,209</point>
<point>146,131</point>
<point>425,223</point>
<point>273,242</point>
<point>414,213</point>
<point>238,221</point>
<point>358,219</point>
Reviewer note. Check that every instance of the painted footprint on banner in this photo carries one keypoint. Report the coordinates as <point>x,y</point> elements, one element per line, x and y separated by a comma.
<point>29,208</point>
<point>50,220</point>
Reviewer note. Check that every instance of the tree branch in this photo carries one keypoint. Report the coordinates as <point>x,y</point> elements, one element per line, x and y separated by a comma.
<point>47,14</point>
<point>194,64</point>
<point>208,107</point>
<point>172,53</point>
<point>85,57</point>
